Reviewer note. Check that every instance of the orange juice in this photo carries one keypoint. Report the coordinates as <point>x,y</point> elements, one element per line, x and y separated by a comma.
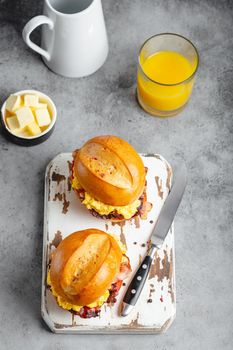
<point>163,81</point>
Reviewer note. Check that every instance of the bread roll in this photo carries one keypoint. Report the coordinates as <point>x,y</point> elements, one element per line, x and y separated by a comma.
<point>84,265</point>
<point>110,170</point>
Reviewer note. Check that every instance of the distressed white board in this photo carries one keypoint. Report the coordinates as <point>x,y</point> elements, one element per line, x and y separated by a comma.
<point>64,214</point>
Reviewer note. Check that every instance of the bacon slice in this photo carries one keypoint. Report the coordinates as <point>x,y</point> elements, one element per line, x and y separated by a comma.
<point>125,269</point>
<point>87,312</point>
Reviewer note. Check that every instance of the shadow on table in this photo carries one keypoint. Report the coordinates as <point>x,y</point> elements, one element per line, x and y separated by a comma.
<point>18,13</point>
<point>23,283</point>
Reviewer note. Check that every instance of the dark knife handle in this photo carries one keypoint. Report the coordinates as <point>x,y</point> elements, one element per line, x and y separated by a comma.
<point>137,283</point>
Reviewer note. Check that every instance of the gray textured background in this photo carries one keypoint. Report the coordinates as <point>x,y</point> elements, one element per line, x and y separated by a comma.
<point>105,103</point>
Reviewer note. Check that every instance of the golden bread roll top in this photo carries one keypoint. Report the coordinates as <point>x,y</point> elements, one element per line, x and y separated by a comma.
<point>84,265</point>
<point>110,170</point>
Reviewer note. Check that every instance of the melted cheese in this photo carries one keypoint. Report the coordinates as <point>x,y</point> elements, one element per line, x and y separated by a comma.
<point>127,211</point>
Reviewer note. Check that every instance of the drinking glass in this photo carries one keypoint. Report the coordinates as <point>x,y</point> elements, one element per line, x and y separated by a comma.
<point>163,99</point>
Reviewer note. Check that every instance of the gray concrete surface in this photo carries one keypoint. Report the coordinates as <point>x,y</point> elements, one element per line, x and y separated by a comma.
<point>105,103</point>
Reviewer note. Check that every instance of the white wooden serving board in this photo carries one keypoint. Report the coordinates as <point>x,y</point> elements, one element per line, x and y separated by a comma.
<point>65,214</point>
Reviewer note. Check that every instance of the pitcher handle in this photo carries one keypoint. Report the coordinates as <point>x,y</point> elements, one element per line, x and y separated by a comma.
<point>28,29</point>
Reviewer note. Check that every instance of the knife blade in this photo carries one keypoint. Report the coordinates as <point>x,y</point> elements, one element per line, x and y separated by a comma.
<point>158,236</point>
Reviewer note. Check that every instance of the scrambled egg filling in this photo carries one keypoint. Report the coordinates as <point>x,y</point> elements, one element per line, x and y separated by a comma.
<point>127,211</point>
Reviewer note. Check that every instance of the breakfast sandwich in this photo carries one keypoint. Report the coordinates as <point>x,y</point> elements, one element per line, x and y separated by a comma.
<point>87,270</point>
<point>109,178</point>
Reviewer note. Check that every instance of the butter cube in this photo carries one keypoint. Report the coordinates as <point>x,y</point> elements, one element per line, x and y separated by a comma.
<point>33,129</point>
<point>24,116</point>
<point>22,133</point>
<point>12,103</point>
<point>42,117</point>
<point>31,100</point>
<point>43,128</point>
<point>13,123</point>
<point>41,105</point>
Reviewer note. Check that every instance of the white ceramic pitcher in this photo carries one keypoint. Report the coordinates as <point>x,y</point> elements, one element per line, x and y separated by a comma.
<point>74,39</point>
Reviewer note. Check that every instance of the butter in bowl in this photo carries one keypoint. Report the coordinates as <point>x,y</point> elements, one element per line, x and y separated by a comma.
<point>28,117</point>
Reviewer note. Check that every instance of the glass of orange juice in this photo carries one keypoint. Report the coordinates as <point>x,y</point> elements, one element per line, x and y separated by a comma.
<point>166,72</point>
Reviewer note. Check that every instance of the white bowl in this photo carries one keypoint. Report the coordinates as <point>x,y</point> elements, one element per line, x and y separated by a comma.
<point>30,140</point>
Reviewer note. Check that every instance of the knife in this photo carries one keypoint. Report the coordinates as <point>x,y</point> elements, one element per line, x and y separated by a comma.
<point>158,236</point>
